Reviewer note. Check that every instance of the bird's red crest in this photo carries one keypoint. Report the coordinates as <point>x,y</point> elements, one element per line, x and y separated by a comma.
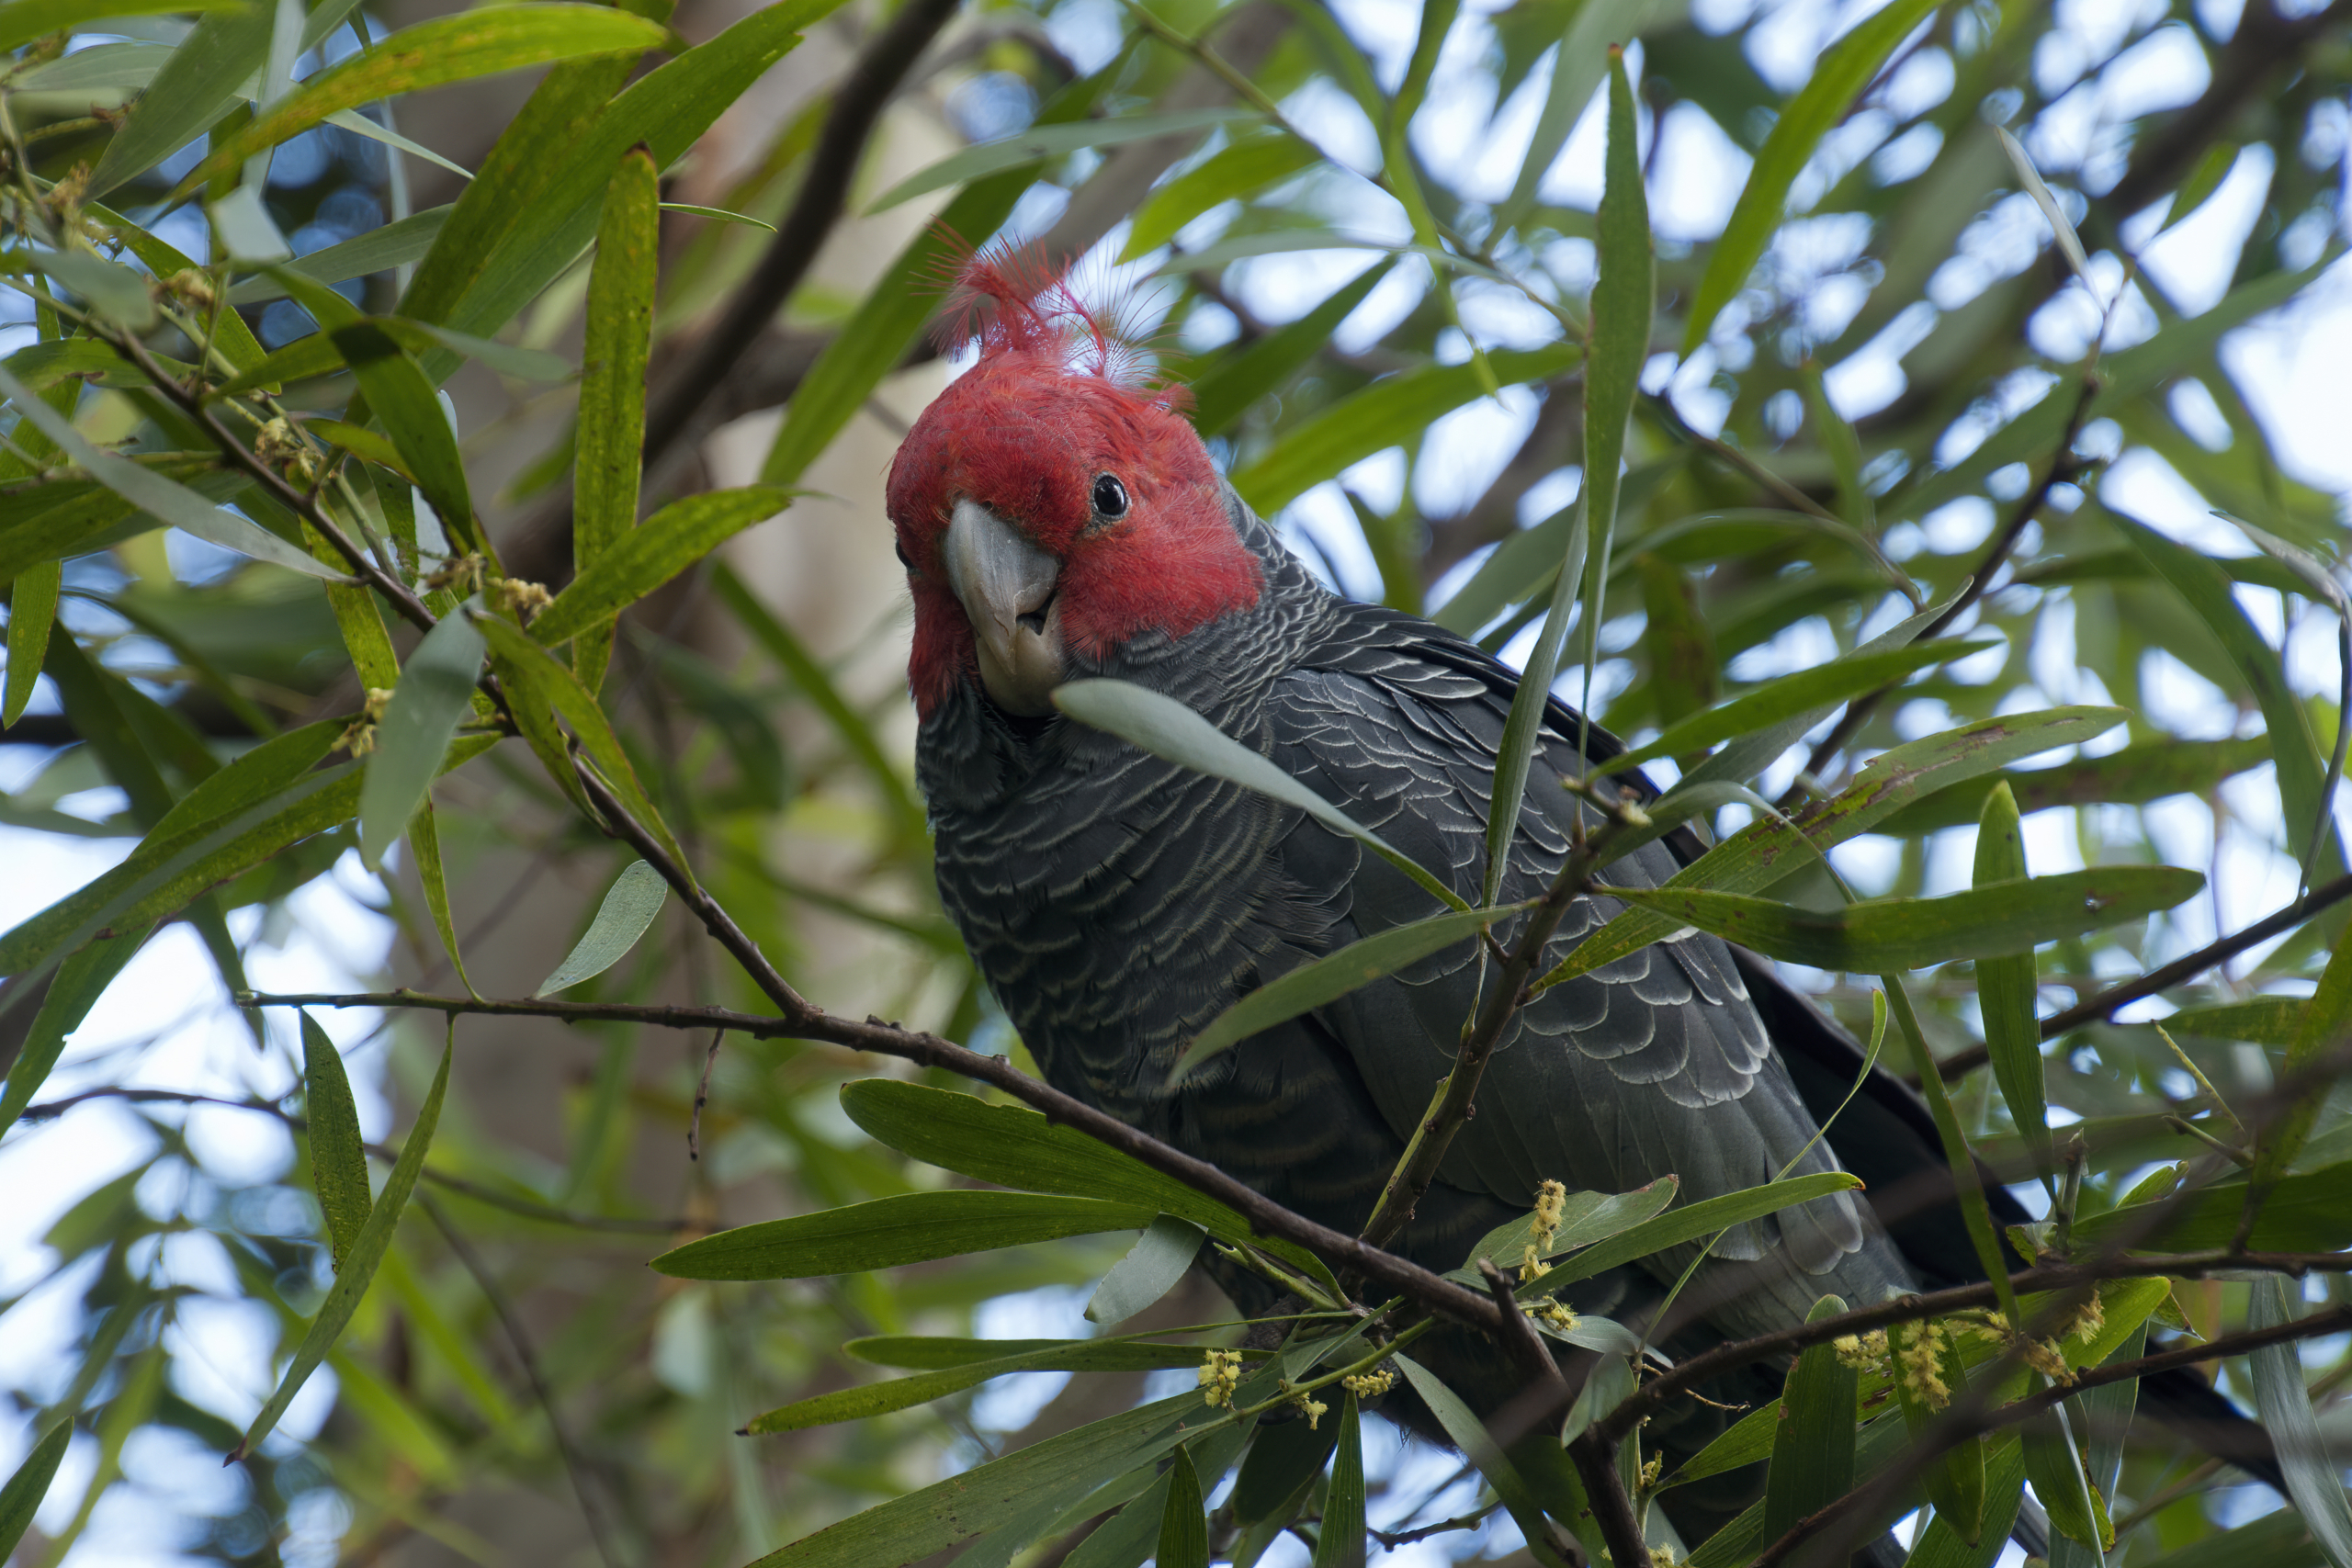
<point>1007,298</point>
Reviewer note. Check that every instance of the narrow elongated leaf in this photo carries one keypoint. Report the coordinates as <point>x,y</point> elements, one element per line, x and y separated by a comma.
<point>32,610</point>
<point>1340,1543</point>
<point>151,492</point>
<point>1184,1521</point>
<point>1838,76</point>
<point>2055,1465</point>
<point>1469,1434</point>
<point>431,54</point>
<point>638,560</point>
<point>2005,986</point>
<point>1041,142</point>
<point>22,21</point>
<point>1334,975</point>
<point>435,695</point>
<point>21,1498</point>
<point>607,451</point>
<point>2307,1212</point>
<point>338,1153</point>
<point>396,243</point>
<point>2070,244</point>
<point>2104,1418</point>
<point>2266,1020</point>
<point>1812,1448</point>
<point>634,897</point>
<point>2325,1019</point>
<point>1168,730</point>
<point>73,991</point>
<point>2313,1480</point>
<point>981,1360</point>
<point>1392,412</point>
<point>401,396</point>
<point>1958,1480</point>
<point>1584,1218</point>
<point>1231,384</point>
<point>1241,169</point>
<point>1578,66</point>
<point>425,839</point>
<point>2133,776</point>
<point>1945,1546</point>
<point>359,1267</point>
<point>525,663</point>
<point>1679,1228</point>
<point>1793,694</point>
<point>111,289</point>
<point>1148,1272</point>
<point>1015,1146</point>
<point>1910,933</point>
<point>195,86</point>
<point>1284,1459</point>
<point>912,1227</point>
<point>1768,850</point>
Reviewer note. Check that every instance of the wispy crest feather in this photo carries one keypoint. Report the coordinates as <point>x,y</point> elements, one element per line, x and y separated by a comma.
<point>1007,298</point>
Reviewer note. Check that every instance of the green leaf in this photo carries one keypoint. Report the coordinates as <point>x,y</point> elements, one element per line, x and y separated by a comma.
<point>1584,1218</point>
<point>1230,386</point>
<point>1469,1434</point>
<point>1749,1441</point>
<point>2007,984</point>
<point>1149,1272</point>
<point>1944,1546</point>
<point>460,48</point>
<point>1957,1482</point>
<point>2313,1480</point>
<point>1577,67</point>
<point>203,78</point>
<point>358,1269</point>
<point>1184,1521</point>
<point>638,560</point>
<point>1892,935</point>
<point>402,399</point>
<point>1790,695</point>
<point>32,610</point>
<point>1844,69</point>
<point>73,991</point>
<point>2266,1020</point>
<point>111,289</point>
<point>338,1153</point>
<point>1678,1227</point>
<point>634,897</point>
<point>21,1498</point>
<point>2325,1019</point>
<point>153,493</point>
<point>977,1360</point>
<point>424,842</point>
<point>435,695</point>
<point>1762,853</point>
<point>538,684</point>
<point>2070,244</point>
<point>1284,1459</point>
<point>1240,169</point>
<point>2203,180</point>
<point>1340,1543</point>
<point>1041,142</point>
<point>396,243</point>
<point>718,214</point>
<point>1331,976</point>
<point>1168,730</point>
<point>2133,776</point>
<point>1394,410</point>
<point>1812,1451</point>
<point>2309,1212</point>
<point>2056,1467</point>
<point>1015,1146</point>
<point>23,21</point>
<point>912,1227</point>
<point>607,451</point>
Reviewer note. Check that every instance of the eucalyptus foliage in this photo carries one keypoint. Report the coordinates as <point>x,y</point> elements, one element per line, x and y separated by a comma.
<point>382,556</point>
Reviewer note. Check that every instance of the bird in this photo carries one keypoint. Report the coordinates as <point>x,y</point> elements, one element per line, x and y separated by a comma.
<point>1059,519</point>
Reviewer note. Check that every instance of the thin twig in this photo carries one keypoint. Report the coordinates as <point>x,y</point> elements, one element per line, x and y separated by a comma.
<point>702,1095</point>
<point>574,1463</point>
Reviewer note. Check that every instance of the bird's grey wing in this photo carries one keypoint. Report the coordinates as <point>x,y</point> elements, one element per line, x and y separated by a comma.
<point>1655,1065</point>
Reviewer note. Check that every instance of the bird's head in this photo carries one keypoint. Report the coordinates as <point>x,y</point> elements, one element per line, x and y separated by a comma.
<point>1050,505</point>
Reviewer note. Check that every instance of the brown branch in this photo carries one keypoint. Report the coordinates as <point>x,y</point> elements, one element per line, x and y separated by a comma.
<point>805,1021</point>
<point>2097,1009</point>
<point>872,80</point>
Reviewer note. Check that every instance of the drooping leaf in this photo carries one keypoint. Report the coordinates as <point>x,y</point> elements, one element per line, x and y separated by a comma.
<point>1844,69</point>
<point>425,840</point>
<point>636,562</point>
<point>393,244</point>
<point>1813,1448</point>
<point>913,1227</point>
<point>2312,1479</point>
<point>1340,1543</point>
<point>338,1152</point>
<point>435,695</point>
<point>195,86</point>
<point>1166,728</point>
<point>1240,169</point>
<point>1333,975</point>
<point>1469,1434</point>
<point>634,897</point>
<point>2133,776</point>
<point>1231,384</point>
<point>73,991</point>
<point>1958,1480</point>
<point>608,450</point>
<point>1945,1546</point>
<point>1015,1146</point>
<point>1678,1227</point>
<point>1584,1218</point>
<point>1040,142</point>
<point>21,1498</point>
<point>2055,1465</point>
<point>981,1359</point>
<point>2005,984</point>
<point>2070,244</point>
<point>32,610</point>
<point>1184,1520</point>
<point>1149,1272</point>
<point>359,1265</point>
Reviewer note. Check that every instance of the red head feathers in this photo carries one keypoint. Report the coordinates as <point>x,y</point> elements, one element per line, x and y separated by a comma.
<point>1054,443</point>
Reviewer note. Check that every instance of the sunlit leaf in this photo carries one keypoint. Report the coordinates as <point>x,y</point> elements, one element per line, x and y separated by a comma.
<point>338,1152</point>
<point>1149,1272</point>
<point>22,1495</point>
<point>634,897</point>
<point>912,1228</point>
<point>634,563</point>
<point>435,695</point>
<point>1678,1227</point>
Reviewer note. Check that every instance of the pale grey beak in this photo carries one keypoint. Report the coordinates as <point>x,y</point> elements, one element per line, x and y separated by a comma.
<point>1006,585</point>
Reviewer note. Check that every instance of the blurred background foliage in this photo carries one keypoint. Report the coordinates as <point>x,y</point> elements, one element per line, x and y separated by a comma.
<point>1897,386</point>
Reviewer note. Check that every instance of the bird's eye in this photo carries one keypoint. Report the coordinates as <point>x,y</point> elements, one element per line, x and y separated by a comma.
<point>900,550</point>
<point>1110,496</point>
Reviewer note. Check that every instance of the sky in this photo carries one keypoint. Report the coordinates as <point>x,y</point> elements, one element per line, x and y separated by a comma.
<point>167,1023</point>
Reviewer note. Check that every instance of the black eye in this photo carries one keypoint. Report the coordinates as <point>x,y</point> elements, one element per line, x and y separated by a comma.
<point>1110,496</point>
<point>900,550</point>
